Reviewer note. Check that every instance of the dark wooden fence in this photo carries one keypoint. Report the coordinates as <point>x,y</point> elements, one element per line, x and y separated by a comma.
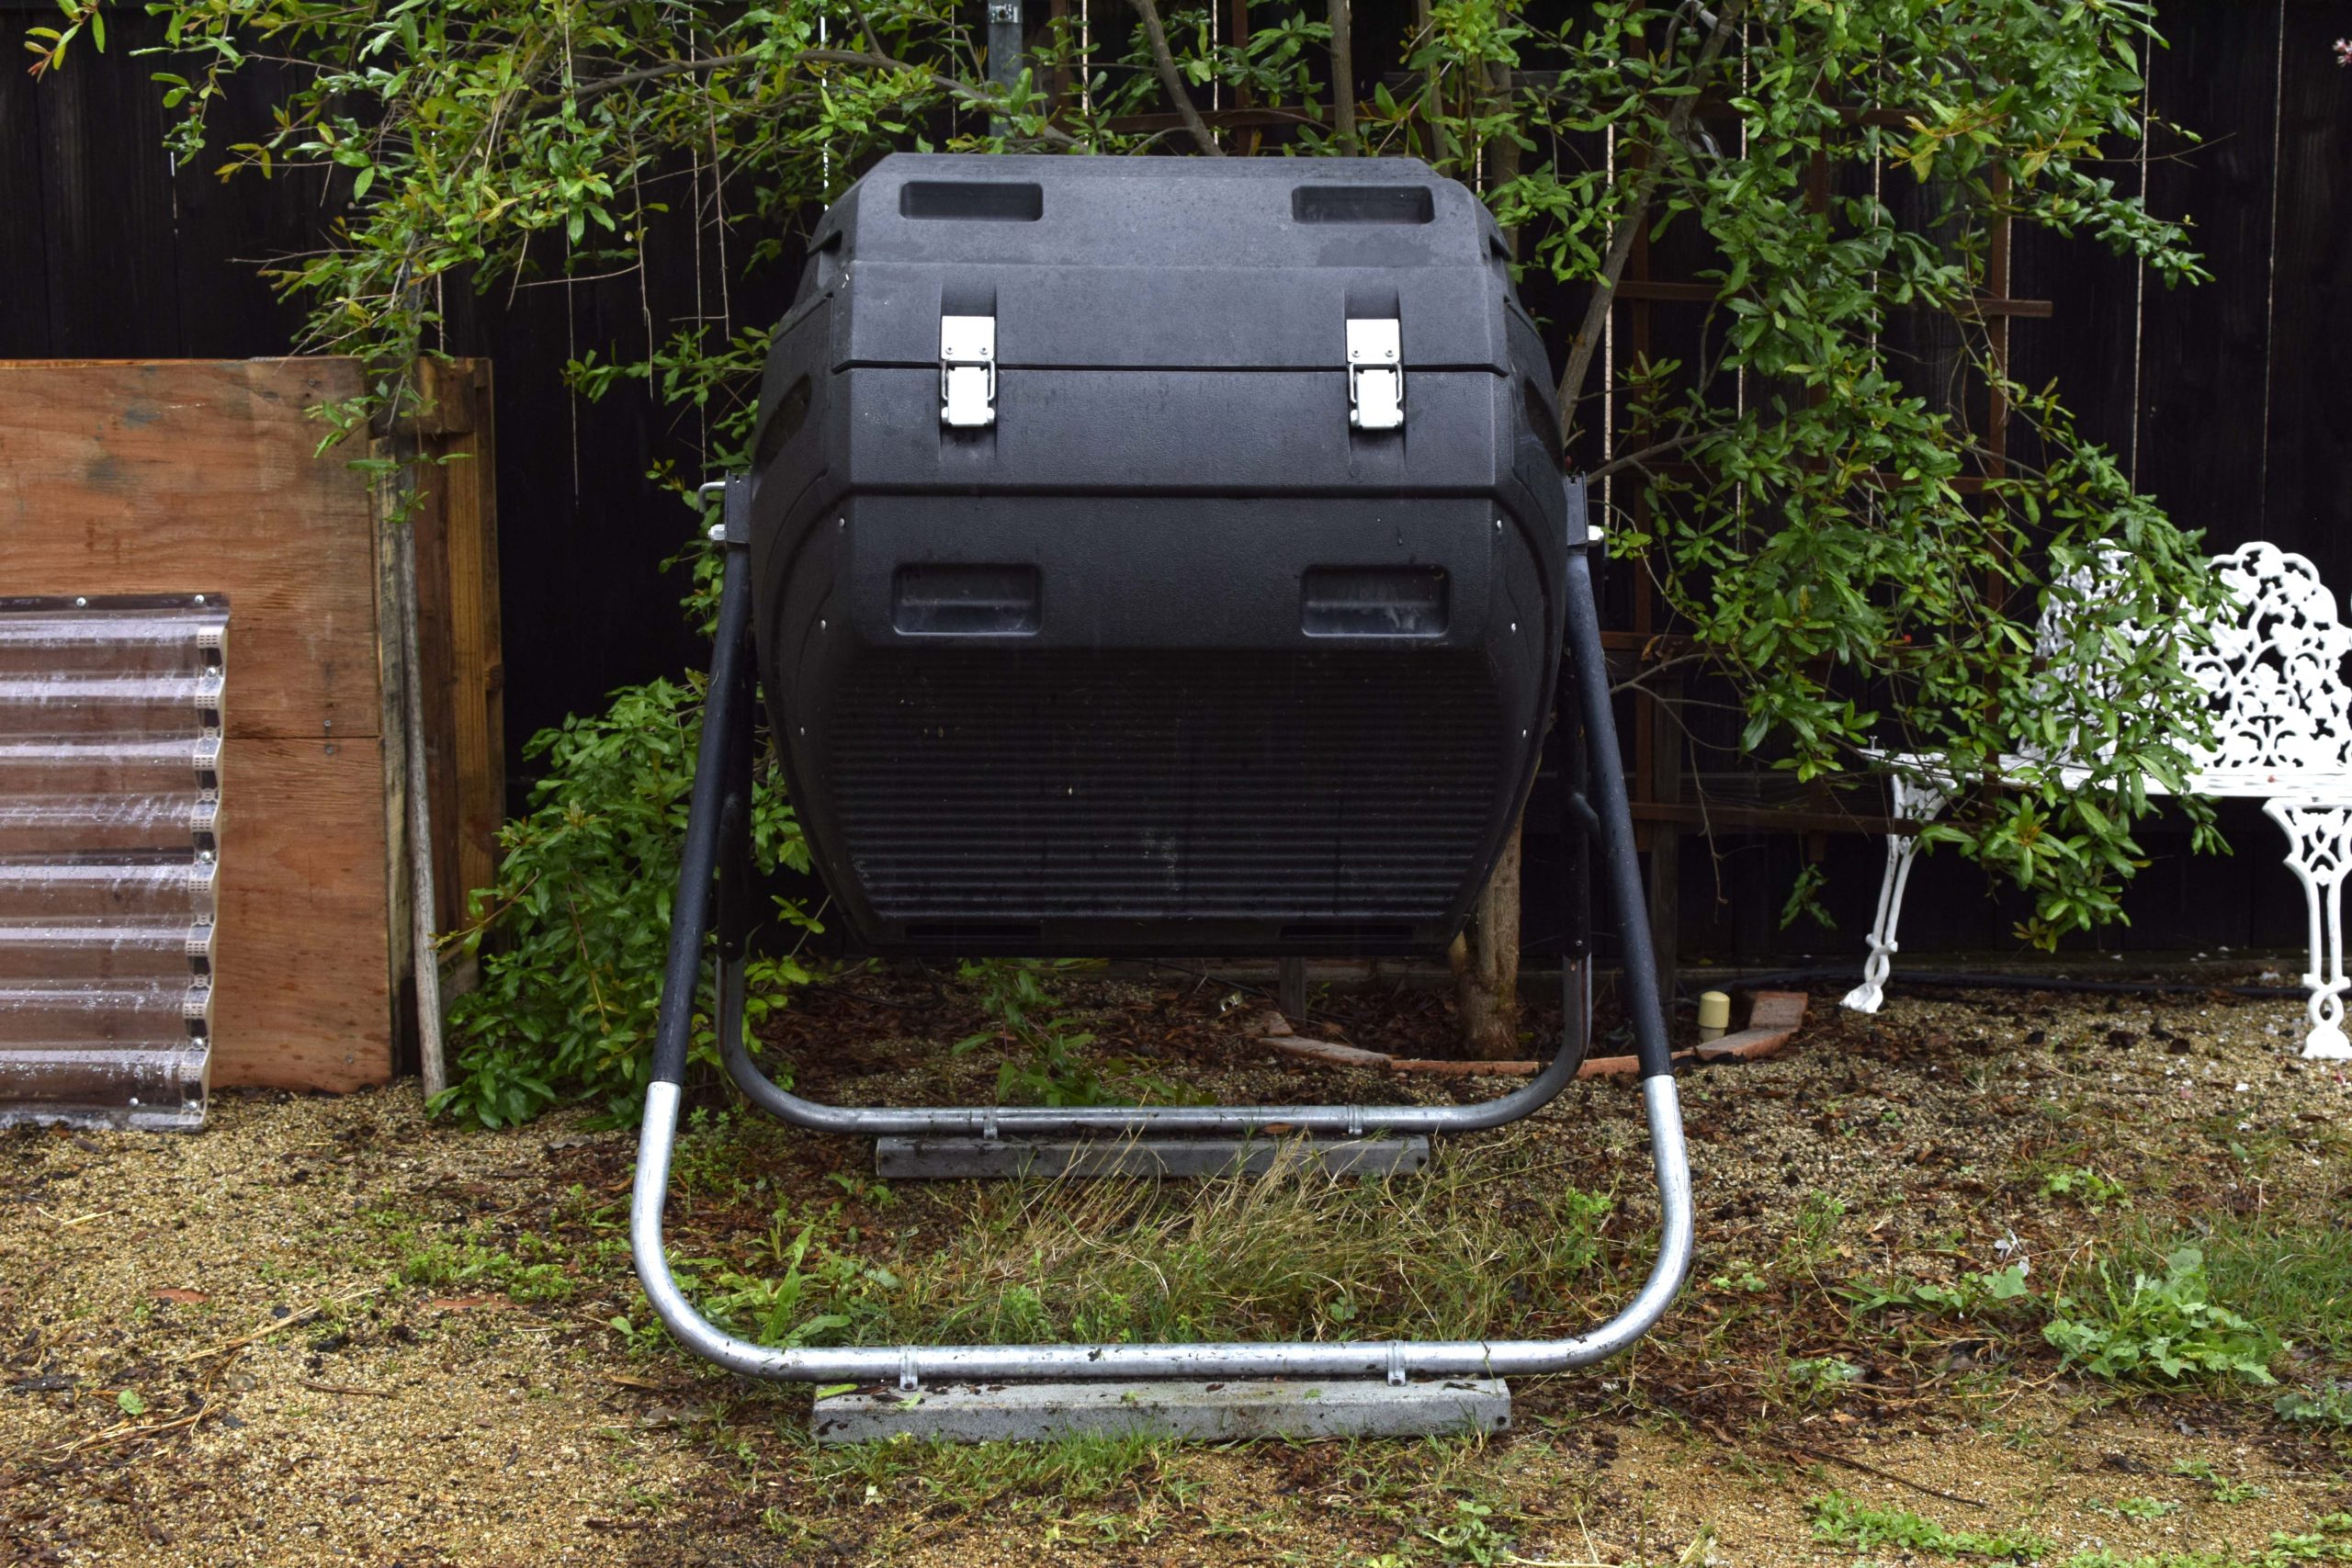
<point>2231,402</point>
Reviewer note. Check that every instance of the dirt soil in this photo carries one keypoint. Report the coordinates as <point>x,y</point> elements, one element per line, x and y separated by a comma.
<point>328,1331</point>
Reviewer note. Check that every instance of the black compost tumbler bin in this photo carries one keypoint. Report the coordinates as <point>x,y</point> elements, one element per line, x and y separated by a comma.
<point>1152,554</point>
<point>1220,615</point>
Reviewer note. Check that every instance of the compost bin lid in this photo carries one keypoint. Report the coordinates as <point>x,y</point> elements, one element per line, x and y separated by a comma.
<point>1141,264</point>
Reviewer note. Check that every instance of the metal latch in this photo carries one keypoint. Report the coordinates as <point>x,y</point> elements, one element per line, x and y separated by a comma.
<point>1376,374</point>
<point>966,372</point>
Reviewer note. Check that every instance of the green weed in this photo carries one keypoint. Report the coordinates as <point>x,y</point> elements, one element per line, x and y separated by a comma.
<point>2087,1187</point>
<point>2145,1507</point>
<point>2225,1492</point>
<point>1839,1520</point>
<point>2283,1550</point>
<point>1047,1066</point>
<point>2291,1270</point>
<point>1976,1294</point>
<point>1471,1536</point>
<point>2161,1328</point>
<point>2328,1406</point>
<point>1820,1380</point>
<point>536,1269</point>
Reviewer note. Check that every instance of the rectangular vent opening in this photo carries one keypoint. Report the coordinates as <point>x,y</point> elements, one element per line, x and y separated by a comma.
<point>1362,204</point>
<point>1372,600</point>
<point>986,201</point>
<point>937,600</point>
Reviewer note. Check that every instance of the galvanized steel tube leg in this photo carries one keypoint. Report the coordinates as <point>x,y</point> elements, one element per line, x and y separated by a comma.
<point>910,1365</point>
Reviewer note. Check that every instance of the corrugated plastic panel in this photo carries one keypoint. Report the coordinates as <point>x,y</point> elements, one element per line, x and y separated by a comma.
<point>110,855</point>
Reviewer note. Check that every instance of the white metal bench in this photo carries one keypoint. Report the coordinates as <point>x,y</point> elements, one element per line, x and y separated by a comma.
<point>2273,675</point>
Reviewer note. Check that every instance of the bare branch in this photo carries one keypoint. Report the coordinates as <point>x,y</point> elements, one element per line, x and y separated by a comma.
<point>1629,226</point>
<point>1173,82</point>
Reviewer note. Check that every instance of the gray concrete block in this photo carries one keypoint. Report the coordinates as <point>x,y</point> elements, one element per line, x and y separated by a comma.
<point>996,1159</point>
<point>1196,1412</point>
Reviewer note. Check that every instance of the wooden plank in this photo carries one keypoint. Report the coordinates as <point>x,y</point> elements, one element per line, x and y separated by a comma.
<point>23,236</point>
<point>199,476</point>
<point>302,989</point>
<point>462,654</point>
<point>105,194</point>
<point>228,230</point>
<point>2203,350</point>
<point>2308,443</point>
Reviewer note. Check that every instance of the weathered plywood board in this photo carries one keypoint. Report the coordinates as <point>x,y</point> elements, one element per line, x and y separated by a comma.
<point>203,477</point>
<point>303,968</point>
<point>174,477</point>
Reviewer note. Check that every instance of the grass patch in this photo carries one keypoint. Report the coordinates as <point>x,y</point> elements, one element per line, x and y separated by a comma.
<point>1468,1246</point>
<point>1485,1241</point>
<point>1839,1520</point>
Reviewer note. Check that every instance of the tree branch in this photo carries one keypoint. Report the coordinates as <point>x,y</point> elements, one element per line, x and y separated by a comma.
<point>1631,459</point>
<point>1587,344</point>
<point>1343,77</point>
<point>948,84</point>
<point>1169,79</point>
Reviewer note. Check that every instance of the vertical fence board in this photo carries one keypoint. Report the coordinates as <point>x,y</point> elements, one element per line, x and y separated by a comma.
<point>2201,349</point>
<point>2307,499</point>
<point>24,228</point>
<point>106,201</point>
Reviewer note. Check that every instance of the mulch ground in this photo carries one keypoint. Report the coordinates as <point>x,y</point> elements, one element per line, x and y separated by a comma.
<point>328,1331</point>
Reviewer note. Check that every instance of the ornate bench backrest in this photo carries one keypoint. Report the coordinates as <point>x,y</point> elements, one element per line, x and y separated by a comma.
<point>2274,669</point>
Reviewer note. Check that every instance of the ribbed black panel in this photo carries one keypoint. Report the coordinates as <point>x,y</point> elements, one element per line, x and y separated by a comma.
<point>999,785</point>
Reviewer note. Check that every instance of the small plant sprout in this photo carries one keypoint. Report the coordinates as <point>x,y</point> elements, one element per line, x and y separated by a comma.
<point>2086,1187</point>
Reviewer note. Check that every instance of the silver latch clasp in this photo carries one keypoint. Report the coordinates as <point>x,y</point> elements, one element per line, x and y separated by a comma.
<point>1375,373</point>
<point>966,372</point>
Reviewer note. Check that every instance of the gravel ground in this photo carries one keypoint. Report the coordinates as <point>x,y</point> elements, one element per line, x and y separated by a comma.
<point>278,1341</point>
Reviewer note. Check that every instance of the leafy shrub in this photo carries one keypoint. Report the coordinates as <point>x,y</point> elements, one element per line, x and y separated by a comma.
<point>573,937</point>
<point>2162,1329</point>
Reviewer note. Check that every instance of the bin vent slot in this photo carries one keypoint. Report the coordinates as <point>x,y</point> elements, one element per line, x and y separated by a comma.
<point>964,601</point>
<point>1372,600</point>
<point>1362,204</point>
<point>986,201</point>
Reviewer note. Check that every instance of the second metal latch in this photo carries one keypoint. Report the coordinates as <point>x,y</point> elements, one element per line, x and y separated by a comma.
<point>966,372</point>
<point>1375,373</point>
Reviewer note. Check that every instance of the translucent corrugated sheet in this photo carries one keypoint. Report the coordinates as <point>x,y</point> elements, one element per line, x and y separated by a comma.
<point>109,820</point>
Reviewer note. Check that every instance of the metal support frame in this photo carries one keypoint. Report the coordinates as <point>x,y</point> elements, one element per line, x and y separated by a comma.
<point>714,891</point>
